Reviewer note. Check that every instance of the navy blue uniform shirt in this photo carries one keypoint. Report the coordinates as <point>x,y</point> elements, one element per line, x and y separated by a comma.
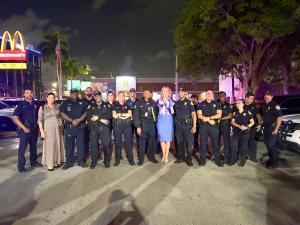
<point>118,108</point>
<point>183,109</point>
<point>27,113</point>
<point>242,118</point>
<point>103,111</point>
<point>253,109</point>
<point>270,113</point>
<point>144,111</point>
<point>73,109</point>
<point>209,109</point>
<point>131,104</point>
<point>226,108</point>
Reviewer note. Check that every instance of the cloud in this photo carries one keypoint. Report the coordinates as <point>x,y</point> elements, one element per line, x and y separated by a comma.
<point>29,24</point>
<point>101,53</point>
<point>161,55</point>
<point>127,67</point>
<point>97,4</point>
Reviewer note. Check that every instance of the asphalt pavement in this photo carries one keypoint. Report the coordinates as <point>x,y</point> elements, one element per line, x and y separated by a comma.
<point>158,194</point>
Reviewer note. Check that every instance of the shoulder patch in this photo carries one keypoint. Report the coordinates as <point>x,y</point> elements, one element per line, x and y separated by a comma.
<point>277,107</point>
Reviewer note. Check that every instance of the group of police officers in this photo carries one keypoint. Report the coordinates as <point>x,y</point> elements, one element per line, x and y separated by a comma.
<point>88,120</point>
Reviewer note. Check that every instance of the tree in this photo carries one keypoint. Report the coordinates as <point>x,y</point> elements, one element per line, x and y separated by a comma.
<point>224,36</point>
<point>47,47</point>
<point>70,69</point>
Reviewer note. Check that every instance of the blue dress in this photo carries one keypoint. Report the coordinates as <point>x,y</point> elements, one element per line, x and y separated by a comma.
<point>165,120</point>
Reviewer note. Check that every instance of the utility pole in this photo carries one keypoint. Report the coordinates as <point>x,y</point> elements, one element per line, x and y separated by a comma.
<point>176,77</point>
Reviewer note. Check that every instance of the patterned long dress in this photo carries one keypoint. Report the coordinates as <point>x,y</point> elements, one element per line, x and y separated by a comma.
<point>53,145</point>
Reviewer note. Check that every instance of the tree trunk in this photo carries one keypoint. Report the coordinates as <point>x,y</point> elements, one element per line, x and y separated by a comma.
<point>286,69</point>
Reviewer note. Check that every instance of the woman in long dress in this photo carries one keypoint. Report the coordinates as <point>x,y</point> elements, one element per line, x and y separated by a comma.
<point>50,128</point>
<point>165,122</point>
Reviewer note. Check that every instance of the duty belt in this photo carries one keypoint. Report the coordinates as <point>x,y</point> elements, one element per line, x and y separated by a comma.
<point>121,121</point>
<point>188,122</point>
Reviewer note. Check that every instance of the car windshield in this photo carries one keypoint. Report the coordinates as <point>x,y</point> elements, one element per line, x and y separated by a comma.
<point>3,105</point>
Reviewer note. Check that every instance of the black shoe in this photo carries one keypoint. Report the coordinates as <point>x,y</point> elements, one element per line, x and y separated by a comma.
<point>189,163</point>
<point>132,163</point>
<point>51,169</point>
<point>242,163</point>
<point>23,170</point>
<point>66,166</point>
<point>107,166</point>
<point>155,161</point>
<point>36,164</point>
<point>140,164</point>
<point>83,165</point>
<point>92,167</point>
<point>179,161</point>
<point>201,163</point>
<point>116,164</point>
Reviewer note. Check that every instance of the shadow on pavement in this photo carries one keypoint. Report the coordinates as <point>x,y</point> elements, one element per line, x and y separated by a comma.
<point>282,192</point>
<point>17,196</point>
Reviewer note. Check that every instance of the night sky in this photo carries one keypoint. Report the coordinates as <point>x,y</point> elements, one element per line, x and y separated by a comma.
<point>112,36</point>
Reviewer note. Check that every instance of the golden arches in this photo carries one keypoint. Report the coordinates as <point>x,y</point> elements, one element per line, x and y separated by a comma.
<point>13,41</point>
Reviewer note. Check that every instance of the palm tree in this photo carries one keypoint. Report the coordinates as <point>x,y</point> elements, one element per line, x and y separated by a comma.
<point>70,69</point>
<point>48,48</point>
<point>85,70</point>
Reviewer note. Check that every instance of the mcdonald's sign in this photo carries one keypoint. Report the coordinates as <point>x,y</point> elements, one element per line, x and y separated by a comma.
<point>12,54</point>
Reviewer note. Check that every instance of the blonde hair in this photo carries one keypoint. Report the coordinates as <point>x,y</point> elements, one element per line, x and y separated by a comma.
<point>168,89</point>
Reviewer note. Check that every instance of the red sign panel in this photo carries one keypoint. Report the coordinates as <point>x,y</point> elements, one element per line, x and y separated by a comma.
<point>12,55</point>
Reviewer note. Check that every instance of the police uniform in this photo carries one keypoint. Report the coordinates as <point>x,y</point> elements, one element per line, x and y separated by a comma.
<point>225,130</point>
<point>144,117</point>
<point>252,149</point>
<point>132,105</point>
<point>74,110</point>
<point>121,127</point>
<point>88,103</point>
<point>206,129</point>
<point>183,125</point>
<point>240,138</point>
<point>27,114</point>
<point>100,130</point>
<point>270,113</point>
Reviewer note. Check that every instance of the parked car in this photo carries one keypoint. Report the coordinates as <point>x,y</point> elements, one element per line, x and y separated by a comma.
<point>290,132</point>
<point>288,104</point>
<point>6,115</point>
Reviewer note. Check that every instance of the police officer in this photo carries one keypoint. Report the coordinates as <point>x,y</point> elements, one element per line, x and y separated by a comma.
<point>251,107</point>
<point>73,111</point>
<point>209,111</point>
<point>131,102</point>
<point>271,121</point>
<point>185,127</point>
<point>194,99</point>
<point>242,121</point>
<point>122,116</point>
<point>25,117</point>
<point>99,116</point>
<point>89,100</point>
<point>144,119</point>
<point>224,123</point>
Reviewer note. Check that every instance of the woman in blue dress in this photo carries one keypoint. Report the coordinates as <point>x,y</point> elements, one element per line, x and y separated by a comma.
<point>165,121</point>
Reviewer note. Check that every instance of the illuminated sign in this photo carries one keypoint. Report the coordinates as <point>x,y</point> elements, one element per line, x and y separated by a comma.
<point>125,83</point>
<point>12,54</point>
<point>13,66</point>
